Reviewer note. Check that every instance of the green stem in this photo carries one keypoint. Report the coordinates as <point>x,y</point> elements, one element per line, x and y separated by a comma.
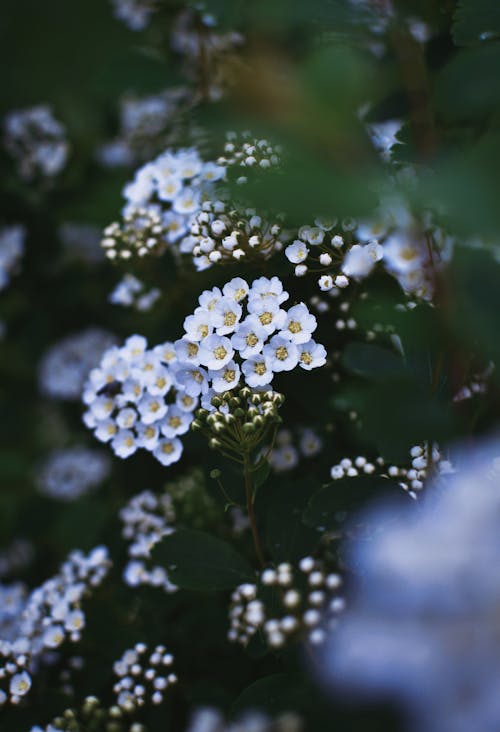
<point>251,514</point>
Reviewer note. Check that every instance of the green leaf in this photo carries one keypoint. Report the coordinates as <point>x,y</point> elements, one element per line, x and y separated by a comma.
<point>274,694</point>
<point>287,538</point>
<point>372,361</point>
<point>333,504</point>
<point>476,20</point>
<point>198,561</point>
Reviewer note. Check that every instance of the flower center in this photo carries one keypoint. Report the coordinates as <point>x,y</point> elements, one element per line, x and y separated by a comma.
<point>154,406</point>
<point>192,349</point>
<point>260,368</point>
<point>306,358</point>
<point>229,318</point>
<point>203,330</point>
<point>239,294</point>
<point>252,339</point>
<point>229,375</point>
<point>281,353</point>
<point>220,353</point>
<point>266,318</point>
<point>174,422</point>
<point>149,433</point>
<point>167,448</point>
<point>295,327</point>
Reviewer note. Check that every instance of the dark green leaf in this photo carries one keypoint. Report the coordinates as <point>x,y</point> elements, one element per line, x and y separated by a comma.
<point>198,561</point>
<point>476,20</point>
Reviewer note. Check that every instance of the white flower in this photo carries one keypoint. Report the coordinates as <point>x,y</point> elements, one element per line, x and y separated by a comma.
<point>250,336</point>
<point>147,436</point>
<point>198,325</point>
<point>296,252</point>
<point>133,349</point>
<point>192,378</point>
<point>314,235</point>
<point>325,283</point>
<point>53,636</point>
<point>264,288</point>
<point>401,254</point>
<point>268,312</point>
<point>124,443</point>
<point>160,382</point>
<point>209,298</point>
<point>311,355</point>
<point>257,371</point>
<point>225,378</point>
<point>168,451</point>
<point>226,315</point>
<point>187,202</point>
<point>126,418</point>
<point>237,288</point>
<point>20,684</point>
<point>282,355</point>
<point>168,188</point>
<point>216,351</point>
<point>325,259</point>
<point>176,422</point>
<point>151,409</point>
<point>166,352</point>
<point>106,430</point>
<point>187,350</point>
<point>299,324</point>
<point>358,262</point>
<point>185,402</point>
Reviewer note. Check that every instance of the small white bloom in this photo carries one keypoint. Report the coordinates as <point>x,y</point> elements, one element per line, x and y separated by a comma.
<point>299,324</point>
<point>237,289</point>
<point>216,351</point>
<point>311,355</point>
<point>250,336</point>
<point>296,252</point>
<point>168,451</point>
<point>226,315</point>
<point>151,409</point>
<point>226,378</point>
<point>325,283</point>
<point>282,355</point>
<point>124,443</point>
<point>176,422</point>
<point>198,325</point>
<point>257,371</point>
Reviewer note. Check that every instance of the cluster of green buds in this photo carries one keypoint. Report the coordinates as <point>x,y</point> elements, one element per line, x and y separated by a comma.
<point>140,234</point>
<point>93,717</point>
<point>240,420</point>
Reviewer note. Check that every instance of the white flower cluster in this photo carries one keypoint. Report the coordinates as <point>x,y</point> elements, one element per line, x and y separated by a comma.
<point>222,234</point>
<point>207,719</point>
<point>16,556</point>
<point>11,250</point>
<point>426,461</point>
<point>223,345</point>
<point>68,474</point>
<point>143,676</point>
<point>247,152</point>
<point>161,201</point>
<point>141,398</point>
<point>325,251</point>
<point>131,292</point>
<point>45,618</point>
<point>478,384</point>
<point>136,14</point>
<point>147,519</point>
<point>65,367</point>
<point>285,455</point>
<point>305,602</point>
<point>36,140</point>
<point>92,715</point>
<point>147,125</point>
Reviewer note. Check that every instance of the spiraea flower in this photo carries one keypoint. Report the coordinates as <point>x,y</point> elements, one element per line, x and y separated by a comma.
<point>426,462</point>
<point>11,250</point>
<point>221,233</point>
<point>161,201</point>
<point>143,676</point>
<point>37,142</point>
<point>147,519</point>
<point>68,474</point>
<point>136,14</point>
<point>92,714</point>
<point>287,602</point>
<point>137,398</point>
<point>207,719</point>
<point>244,151</point>
<point>44,618</point>
<point>422,618</point>
<point>288,448</point>
<point>65,367</point>
<point>131,292</point>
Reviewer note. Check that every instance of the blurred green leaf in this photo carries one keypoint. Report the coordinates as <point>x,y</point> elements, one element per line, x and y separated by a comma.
<point>476,20</point>
<point>372,361</point>
<point>198,561</point>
